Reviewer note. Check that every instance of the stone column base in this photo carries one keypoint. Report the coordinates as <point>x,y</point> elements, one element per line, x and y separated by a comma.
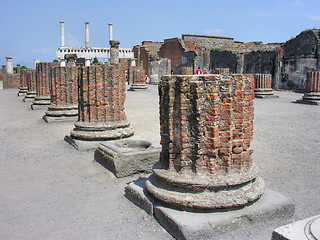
<point>310,98</point>
<point>30,96</point>
<point>61,113</point>
<point>154,79</point>
<point>138,87</point>
<point>98,132</point>
<point>41,102</point>
<point>210,224</point>
<point>264,93</point>
<point>22,90</point>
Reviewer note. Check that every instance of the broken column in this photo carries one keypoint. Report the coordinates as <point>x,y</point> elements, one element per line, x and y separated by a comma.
<point>44,85</point>
<point>31,84</point>
<point>101,107</point>
<point>185,70</point>
<point>23,88</point>
<point>9,65</point>
<point>64,97</point>
<point>263,86</point>
<point>206,128</point>
<point>138,78</point>
<point>205,173</point>
<point>312,92</point>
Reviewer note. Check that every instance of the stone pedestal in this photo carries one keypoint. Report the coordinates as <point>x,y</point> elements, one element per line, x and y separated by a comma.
<point>206,126</point>
<point>23,89</point>
<point>31,84</point>
<point>186,70</point>
<point>138,78</point>
<point>222,71</point>
<point>64,102</point>
<point>101,107</point>
<point>312,93</point>
<point>44,85</point>
<point>263,86</point>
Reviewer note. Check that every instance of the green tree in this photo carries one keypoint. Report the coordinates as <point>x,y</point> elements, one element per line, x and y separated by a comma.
<point>95,60</point>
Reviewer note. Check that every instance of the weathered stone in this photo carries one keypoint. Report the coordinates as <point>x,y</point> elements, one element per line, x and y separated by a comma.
<point>30,75</point>
<point>222,71</point>
<point>128,156</point>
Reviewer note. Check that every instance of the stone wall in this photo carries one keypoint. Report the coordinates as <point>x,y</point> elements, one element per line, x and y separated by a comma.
<point>301,55</point>
<point>223,59</point>
<point>159,68</point>
<point>202,41</point>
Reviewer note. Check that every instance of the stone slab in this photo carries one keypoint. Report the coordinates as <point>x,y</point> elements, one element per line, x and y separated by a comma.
<point>305,229</point>
<point>49,119</point>
<point>82,145</point>
<point>128,156</point>
<point>266,96</point>
<point>39,107</point>
<point>205,225</point>
<point>310,102</point>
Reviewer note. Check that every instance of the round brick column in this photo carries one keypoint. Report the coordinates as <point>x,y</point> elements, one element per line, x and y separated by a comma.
<point>206,125</point>
<point>31,83</point>
<point>23,88</point>
<point>64,102</point>
<point>43,83</point>
<point>101,104</point>
<point>263,85</point>
<point>312,92</point>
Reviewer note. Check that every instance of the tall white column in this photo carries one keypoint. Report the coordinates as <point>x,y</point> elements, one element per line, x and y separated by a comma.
<point>9,65</point>
<point>110,31</point>
<point>87,62</point>
<point>35,63</point>
<point>61,33</point>
<point>87,34</point>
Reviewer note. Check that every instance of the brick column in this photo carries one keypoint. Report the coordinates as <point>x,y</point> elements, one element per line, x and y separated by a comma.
<point>263,86</point>
<point>187,71</point>
<point>222,71</point>
<point>206,125</point>
<point>101,104</point>
<point>23,88</point>
<point>312,92</point>
<point>138,78</point>
<point>44,84</point>
<point>64,97</point>
<point>31,84</point>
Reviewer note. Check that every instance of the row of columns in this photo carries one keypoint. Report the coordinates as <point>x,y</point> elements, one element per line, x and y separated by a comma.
<point>62,42</point>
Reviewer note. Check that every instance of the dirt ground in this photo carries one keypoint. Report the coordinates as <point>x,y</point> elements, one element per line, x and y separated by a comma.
<point>49,190</point>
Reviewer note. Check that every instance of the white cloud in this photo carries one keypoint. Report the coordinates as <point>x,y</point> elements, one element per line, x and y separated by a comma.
<point>213,31</point>
<point>43,50</point>
<point>316,18</point>
<point>71,41</point>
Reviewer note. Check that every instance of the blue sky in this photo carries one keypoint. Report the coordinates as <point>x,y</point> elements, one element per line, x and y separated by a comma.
<point>31,29</point>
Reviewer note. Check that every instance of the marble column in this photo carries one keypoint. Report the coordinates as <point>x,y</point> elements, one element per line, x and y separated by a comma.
<point>61,33</point>
<point>110,32</point>
<point>9,65</point>
<point>87,34</point>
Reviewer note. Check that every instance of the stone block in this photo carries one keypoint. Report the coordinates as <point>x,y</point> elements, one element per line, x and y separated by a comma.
<point>128,156</point>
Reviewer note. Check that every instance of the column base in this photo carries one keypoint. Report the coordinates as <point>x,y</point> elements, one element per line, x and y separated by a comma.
<point>208,225</point>
<point>61,113</point>
<point>310,98</point>
<point>30,96</point>
<point>41,102</point>
<point>22,91</point>
<point>128,156</point>
<point>264,93</point>
<point>135,87</point>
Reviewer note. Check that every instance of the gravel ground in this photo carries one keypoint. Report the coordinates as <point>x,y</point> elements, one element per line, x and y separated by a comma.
<point>48,190</point>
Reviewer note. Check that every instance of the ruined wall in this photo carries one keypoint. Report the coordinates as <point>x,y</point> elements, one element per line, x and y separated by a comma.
<point>223,59</point>
<point>208,41</point>
<point>10,80</point>
<point>160,68</point>
<point>172,49</point>
<point>301,55</point>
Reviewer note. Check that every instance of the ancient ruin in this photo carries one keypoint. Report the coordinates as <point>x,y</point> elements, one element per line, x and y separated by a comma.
<point>312,92</point>
<point>23,88</point>
<point>43,85</point>
<point>206,151</point>
<point>30,75</point>
<point>64,97</point>
<point>222,71</point>
<point>101,104</point>
<point>262,87</point>
<point>10,78</point>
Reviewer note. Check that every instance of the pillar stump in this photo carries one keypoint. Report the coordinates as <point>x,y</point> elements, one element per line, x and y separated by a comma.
<point>206,128</point>
<point>186,70</point>
<point>138,78</point>
<point>64,102</point>
<point>222,71</point>
<point>23,88</point>
<point>205,183</point>
<point>263,86</point>
<point>31,84</point>
<point>101,106</point>
<point>312,92</point>
<point>44,85</point>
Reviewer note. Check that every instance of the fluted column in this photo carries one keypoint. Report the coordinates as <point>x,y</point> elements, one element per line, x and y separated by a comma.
<point>263,88</point>
<point>30,75</point>
<point>61,33</point>
<point>312,92</point>
<point>87,34</point>
<point>9,65</point>
<point>222,71</point>
<point>110,32</point>
<point>206,126</point>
